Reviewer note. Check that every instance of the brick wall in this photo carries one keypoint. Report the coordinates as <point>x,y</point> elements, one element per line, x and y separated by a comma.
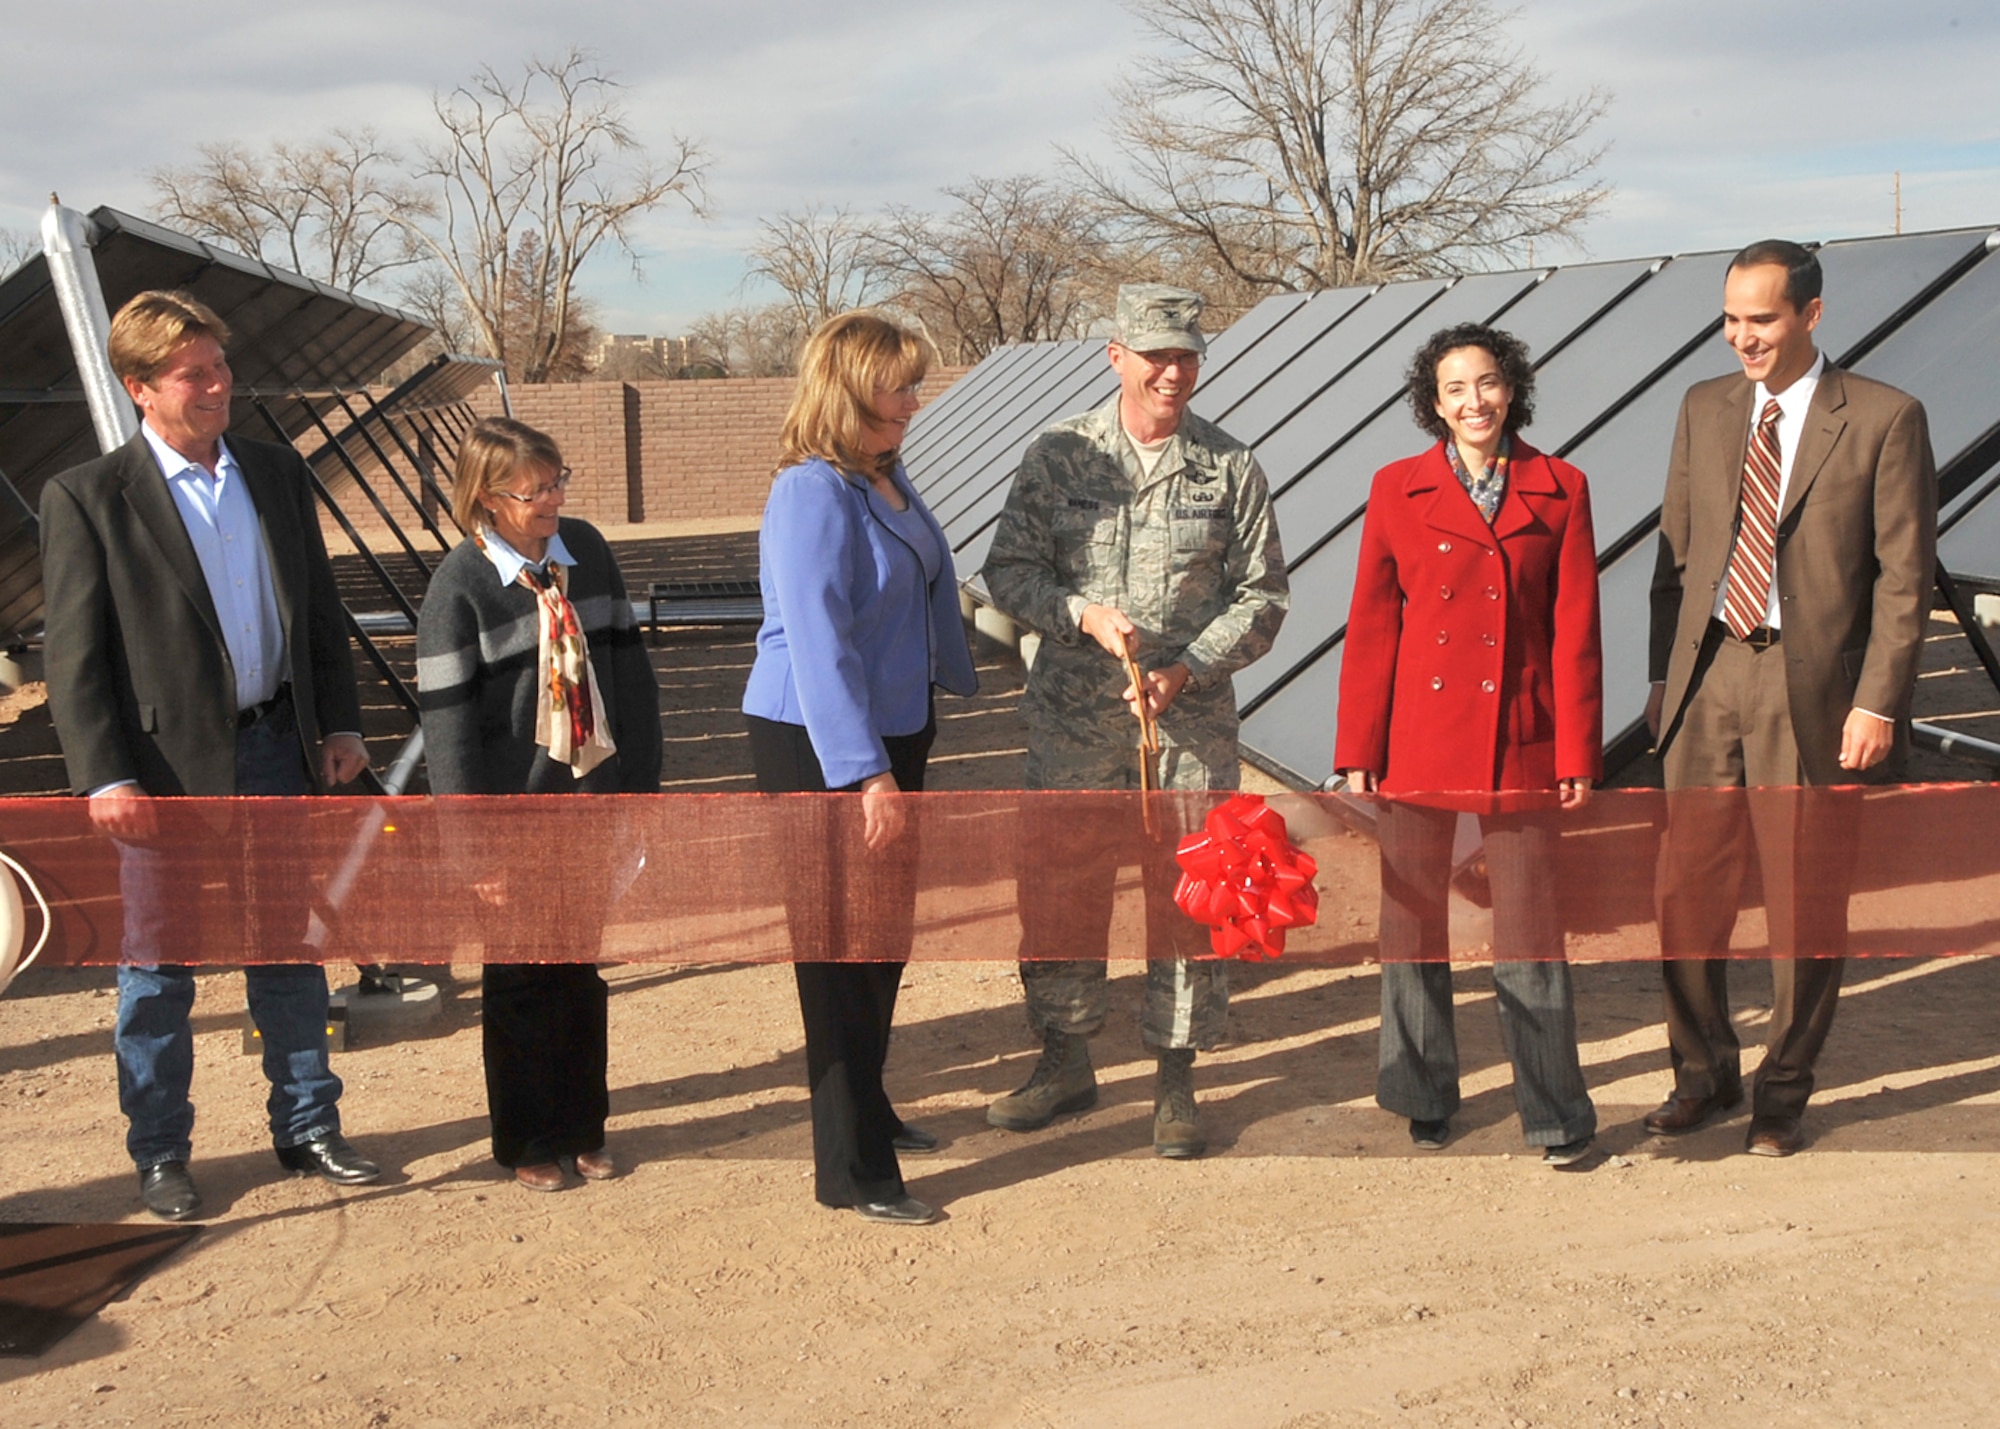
<point>668,451</point>
<point>639,451</point>
<point>707,448</point>
<point>589,421</point>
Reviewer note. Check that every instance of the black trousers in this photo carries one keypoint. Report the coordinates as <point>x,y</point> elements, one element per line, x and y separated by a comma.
<point>544,1021</point>
<point>547,1059</point>
<point>851,926</point>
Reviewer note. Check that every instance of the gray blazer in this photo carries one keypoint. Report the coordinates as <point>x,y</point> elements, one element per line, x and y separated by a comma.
<point>1857,554</point>
<point>140,683</point>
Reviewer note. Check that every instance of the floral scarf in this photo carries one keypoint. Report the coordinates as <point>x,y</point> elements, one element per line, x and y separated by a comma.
<point>1490,486</point>
<point>569,711</point>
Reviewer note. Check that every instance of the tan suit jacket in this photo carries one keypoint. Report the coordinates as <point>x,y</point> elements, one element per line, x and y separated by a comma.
<point>1857,550</point>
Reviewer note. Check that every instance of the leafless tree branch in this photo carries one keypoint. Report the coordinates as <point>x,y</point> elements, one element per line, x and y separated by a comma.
<point>1303,144</point>
<point>820,259</point>
<point>322,209</point>
<point>1017,259</point>
<point>530,176</point>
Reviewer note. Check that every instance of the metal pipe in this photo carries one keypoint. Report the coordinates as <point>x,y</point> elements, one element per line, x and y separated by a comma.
<point>320,929</point>
<point>66,245</point>
<point>1955,745</point>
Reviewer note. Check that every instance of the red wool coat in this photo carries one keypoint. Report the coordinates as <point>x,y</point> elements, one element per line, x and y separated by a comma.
<point>1472,658</point>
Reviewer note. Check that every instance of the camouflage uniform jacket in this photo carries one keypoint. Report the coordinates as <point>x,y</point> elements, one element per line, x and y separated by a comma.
<point>1191,556</point>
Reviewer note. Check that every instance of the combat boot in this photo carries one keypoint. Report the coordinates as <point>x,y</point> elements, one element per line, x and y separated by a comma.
<point>1062,1081</point>
<point>1177,1132</point>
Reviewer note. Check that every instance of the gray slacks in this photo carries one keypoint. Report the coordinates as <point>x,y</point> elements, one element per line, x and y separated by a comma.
<point>1418,1073</point>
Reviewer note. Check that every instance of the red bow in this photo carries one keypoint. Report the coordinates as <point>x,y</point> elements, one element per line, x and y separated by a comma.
<point>1242,877</point>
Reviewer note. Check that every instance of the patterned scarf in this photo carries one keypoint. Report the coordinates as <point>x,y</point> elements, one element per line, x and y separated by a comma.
<point>1487,488</point>
<point>569,711</point>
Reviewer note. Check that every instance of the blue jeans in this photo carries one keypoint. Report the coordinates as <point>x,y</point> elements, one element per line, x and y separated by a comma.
<point>288,1001</point>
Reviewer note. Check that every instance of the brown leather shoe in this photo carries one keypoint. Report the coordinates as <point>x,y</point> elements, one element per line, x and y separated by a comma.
<point>546,1177</point>
<point>595,1165</point>
<point>1678,1114</point>
<point>1774,1136</point>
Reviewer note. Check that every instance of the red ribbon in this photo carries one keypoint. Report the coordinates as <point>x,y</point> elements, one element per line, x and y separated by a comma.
<point>1241,876</point>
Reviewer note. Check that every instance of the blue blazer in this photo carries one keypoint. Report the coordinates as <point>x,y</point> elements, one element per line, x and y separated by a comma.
<point>850,625</point>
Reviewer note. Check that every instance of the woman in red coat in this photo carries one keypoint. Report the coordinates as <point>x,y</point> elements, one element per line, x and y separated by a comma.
<point>1472,666</point>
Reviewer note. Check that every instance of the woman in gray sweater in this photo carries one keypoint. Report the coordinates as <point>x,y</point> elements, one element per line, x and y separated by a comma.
<point>533,680</point>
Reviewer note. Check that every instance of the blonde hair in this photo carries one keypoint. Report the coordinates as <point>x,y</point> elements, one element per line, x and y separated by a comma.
<point>845,363</point>
<point>151,327</point>
<point>494,452</point>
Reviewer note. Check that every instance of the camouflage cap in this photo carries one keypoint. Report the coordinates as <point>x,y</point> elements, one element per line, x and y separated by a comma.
<point>1153,317</point>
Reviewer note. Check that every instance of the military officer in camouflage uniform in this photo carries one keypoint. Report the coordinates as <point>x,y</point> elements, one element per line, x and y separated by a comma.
<point>1136,527</point>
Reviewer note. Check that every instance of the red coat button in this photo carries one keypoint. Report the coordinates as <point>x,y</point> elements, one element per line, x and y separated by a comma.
<point>1444,592</point>
<point>1437,682</point>
<point>1486,685</point>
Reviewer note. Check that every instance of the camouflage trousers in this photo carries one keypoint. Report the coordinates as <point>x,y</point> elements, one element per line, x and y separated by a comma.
<point>1067,885</point>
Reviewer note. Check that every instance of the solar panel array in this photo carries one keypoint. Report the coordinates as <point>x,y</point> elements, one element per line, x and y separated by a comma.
<point>1316,386</point>
<point>291,336</point>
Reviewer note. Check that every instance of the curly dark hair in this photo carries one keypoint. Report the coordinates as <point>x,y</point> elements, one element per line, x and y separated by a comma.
<point>1509,351</point>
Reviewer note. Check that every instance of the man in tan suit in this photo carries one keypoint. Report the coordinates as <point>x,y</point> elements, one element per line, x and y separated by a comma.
<point>1797,547</point>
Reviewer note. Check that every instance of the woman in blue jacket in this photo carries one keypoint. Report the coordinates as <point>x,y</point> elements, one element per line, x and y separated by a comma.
<point>861,619</point>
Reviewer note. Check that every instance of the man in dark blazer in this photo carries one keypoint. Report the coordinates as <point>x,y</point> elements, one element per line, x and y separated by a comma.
<point>1797,548</point>
<point>195,646</point>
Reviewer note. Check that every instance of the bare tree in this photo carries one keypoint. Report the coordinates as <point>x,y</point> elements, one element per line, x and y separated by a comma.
<point>821,259</point>
<point>17,246</point>
<point>748,342</point>
<point>549,155</point>
<point>1312,143</point>
<point>322,209</point>
<point>431,294</point>
<point>1013,260</point>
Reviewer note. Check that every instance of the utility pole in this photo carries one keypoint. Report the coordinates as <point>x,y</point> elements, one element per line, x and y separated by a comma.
<point>1899,200</point>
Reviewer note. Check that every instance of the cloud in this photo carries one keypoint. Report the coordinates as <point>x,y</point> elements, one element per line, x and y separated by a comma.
<point>795,101</point>
<point>1733,121</point>
<point>1728,120</point>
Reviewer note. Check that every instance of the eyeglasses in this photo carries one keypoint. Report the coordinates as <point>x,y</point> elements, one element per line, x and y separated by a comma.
<point>540,493</point>
<point>910,391</point>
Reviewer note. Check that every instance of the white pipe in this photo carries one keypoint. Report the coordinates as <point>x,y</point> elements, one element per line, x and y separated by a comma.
<point>66,244</point>
<point>12,924</point>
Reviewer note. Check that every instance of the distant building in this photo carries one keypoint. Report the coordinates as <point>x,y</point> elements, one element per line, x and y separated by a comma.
<point>627,355</point>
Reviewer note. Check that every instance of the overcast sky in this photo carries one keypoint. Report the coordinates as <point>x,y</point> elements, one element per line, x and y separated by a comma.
<point>1729,121</point>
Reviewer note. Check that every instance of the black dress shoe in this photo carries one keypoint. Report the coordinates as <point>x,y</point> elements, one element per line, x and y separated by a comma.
<point>1678,1114</point>
<point>330,1158</point>
<point>169,1192</point>
<point>915,1140</point>
<point>1429,1135</point>
<point>903,1211</point>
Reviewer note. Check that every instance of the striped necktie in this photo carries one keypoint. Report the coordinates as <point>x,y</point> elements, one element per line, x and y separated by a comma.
<point>1751,564</point>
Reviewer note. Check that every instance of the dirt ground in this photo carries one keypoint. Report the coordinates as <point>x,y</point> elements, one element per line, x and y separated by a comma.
<point>1313,1270</point>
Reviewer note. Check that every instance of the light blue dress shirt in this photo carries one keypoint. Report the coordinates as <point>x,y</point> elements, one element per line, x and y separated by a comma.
<point>510,562</point>
<point>221,521</point>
